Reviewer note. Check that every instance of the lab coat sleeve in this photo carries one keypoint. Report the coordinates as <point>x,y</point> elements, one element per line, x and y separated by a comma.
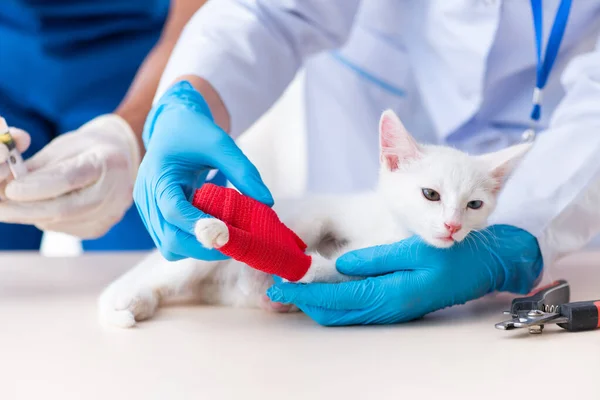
<point>251,50</point>
<point>555,192</point>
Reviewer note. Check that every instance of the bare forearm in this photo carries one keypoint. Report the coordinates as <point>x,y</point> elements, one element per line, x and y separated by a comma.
<point>137,103</point>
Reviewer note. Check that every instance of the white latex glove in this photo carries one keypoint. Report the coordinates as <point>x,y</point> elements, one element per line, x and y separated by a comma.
<point>22,141</point>
<point>81,183</point>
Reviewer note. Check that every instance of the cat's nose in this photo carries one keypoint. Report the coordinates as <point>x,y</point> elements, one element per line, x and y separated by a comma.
<point>452,227</point>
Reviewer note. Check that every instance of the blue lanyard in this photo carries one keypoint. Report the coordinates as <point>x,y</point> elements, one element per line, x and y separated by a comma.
<point>544,66</point>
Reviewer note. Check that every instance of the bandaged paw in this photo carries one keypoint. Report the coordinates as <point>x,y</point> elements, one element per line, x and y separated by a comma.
<point>249,231</point>
<point>211,233</point>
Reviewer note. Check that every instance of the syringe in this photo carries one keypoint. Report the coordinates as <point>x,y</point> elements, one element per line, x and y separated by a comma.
<point>15,161</point>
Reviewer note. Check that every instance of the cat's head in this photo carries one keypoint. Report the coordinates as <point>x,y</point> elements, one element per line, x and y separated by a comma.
<point>440,193</point>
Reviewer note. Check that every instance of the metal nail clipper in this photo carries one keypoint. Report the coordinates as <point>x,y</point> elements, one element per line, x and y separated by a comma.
<point>550,305</point>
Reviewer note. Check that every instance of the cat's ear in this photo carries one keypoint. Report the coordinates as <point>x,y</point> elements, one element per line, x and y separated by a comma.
<point>501,163</point>
<point>396,144</point>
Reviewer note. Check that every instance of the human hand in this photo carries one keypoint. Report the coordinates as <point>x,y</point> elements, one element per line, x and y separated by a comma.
<point>80,183</point>
<point>183,145</point>
<point>16,139</point>
<point>408,279</point>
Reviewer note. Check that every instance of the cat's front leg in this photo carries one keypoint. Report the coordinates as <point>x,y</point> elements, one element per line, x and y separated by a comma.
<point>323,270</point>
<point>136,295</point>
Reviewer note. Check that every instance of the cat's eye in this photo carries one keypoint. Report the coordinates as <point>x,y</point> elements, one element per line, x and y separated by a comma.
<point>475,204</point>
<point>431,194</point>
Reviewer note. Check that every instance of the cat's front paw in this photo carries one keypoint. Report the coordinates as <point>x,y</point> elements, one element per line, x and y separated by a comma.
<point>211,233</point>
<point>323,270</point>
<point>122,306</point>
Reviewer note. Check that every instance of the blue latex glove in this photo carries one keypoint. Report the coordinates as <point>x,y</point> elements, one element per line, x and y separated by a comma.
<point>183,144</point>
<point>409,279</point>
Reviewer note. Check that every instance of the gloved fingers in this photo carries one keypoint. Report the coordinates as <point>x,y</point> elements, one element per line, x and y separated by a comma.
<point>175,236</point>
<point>2,190</point>
<point>5,173</point>
<point>175,244</point>
<point>22,138</point>
<point>176,209</point>
<point>183,245</point>
<point>241,172</point>
<point>42,157</point>
<point>67,207</point>
<point>23,213</point>
<point>156,238</point>
<point>79,218</point>
<point>55,180</point>
<point>381,260</point>
<point>332,296</point>
<point>326,317</point>
<point>22,142</point>
<point>369,316</point>
<point>400,297</point>
<point>176,217</point>
<point>171,256</point>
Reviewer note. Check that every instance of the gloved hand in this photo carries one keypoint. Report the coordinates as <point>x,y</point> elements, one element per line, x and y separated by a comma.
<point>183,144</point>
<point>22,141</point>
<point>81,183</point>
<point>409,279</point>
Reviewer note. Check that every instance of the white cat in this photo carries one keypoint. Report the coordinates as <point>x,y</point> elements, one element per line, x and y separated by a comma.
<point>438,193</point>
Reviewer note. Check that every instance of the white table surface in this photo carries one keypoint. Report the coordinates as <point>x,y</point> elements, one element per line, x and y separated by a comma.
<point>51,346</point>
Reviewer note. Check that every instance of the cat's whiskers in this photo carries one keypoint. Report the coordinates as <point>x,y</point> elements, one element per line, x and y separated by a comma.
<point>468,241</point>
<point>474,241</point>
<point>485,239</point>
<point>476,234</point>
<point>488,235</point>
<point>419,243</point>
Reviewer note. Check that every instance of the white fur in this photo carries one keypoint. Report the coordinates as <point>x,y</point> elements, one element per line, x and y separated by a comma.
<point>211,232</point>
<point>396,210</point>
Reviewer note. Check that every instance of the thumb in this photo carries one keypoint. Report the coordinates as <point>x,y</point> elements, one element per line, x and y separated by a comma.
<point>21,140</point>
<point>240,171</point>
<point>381,260</point>
<point>52,181</point>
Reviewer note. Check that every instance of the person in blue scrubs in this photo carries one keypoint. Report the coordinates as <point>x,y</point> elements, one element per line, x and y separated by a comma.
<point>64,63</point>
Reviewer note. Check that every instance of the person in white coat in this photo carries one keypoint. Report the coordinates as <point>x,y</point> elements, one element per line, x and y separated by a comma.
<point>457,72</point>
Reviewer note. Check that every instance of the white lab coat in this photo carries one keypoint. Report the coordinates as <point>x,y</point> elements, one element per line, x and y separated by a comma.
<point>457,72</point>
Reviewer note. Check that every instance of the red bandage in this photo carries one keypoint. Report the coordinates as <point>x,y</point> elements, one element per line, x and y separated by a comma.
<point>256,235</point>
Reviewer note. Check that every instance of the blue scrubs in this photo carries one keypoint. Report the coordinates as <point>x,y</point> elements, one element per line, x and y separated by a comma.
<point>62,63</point>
